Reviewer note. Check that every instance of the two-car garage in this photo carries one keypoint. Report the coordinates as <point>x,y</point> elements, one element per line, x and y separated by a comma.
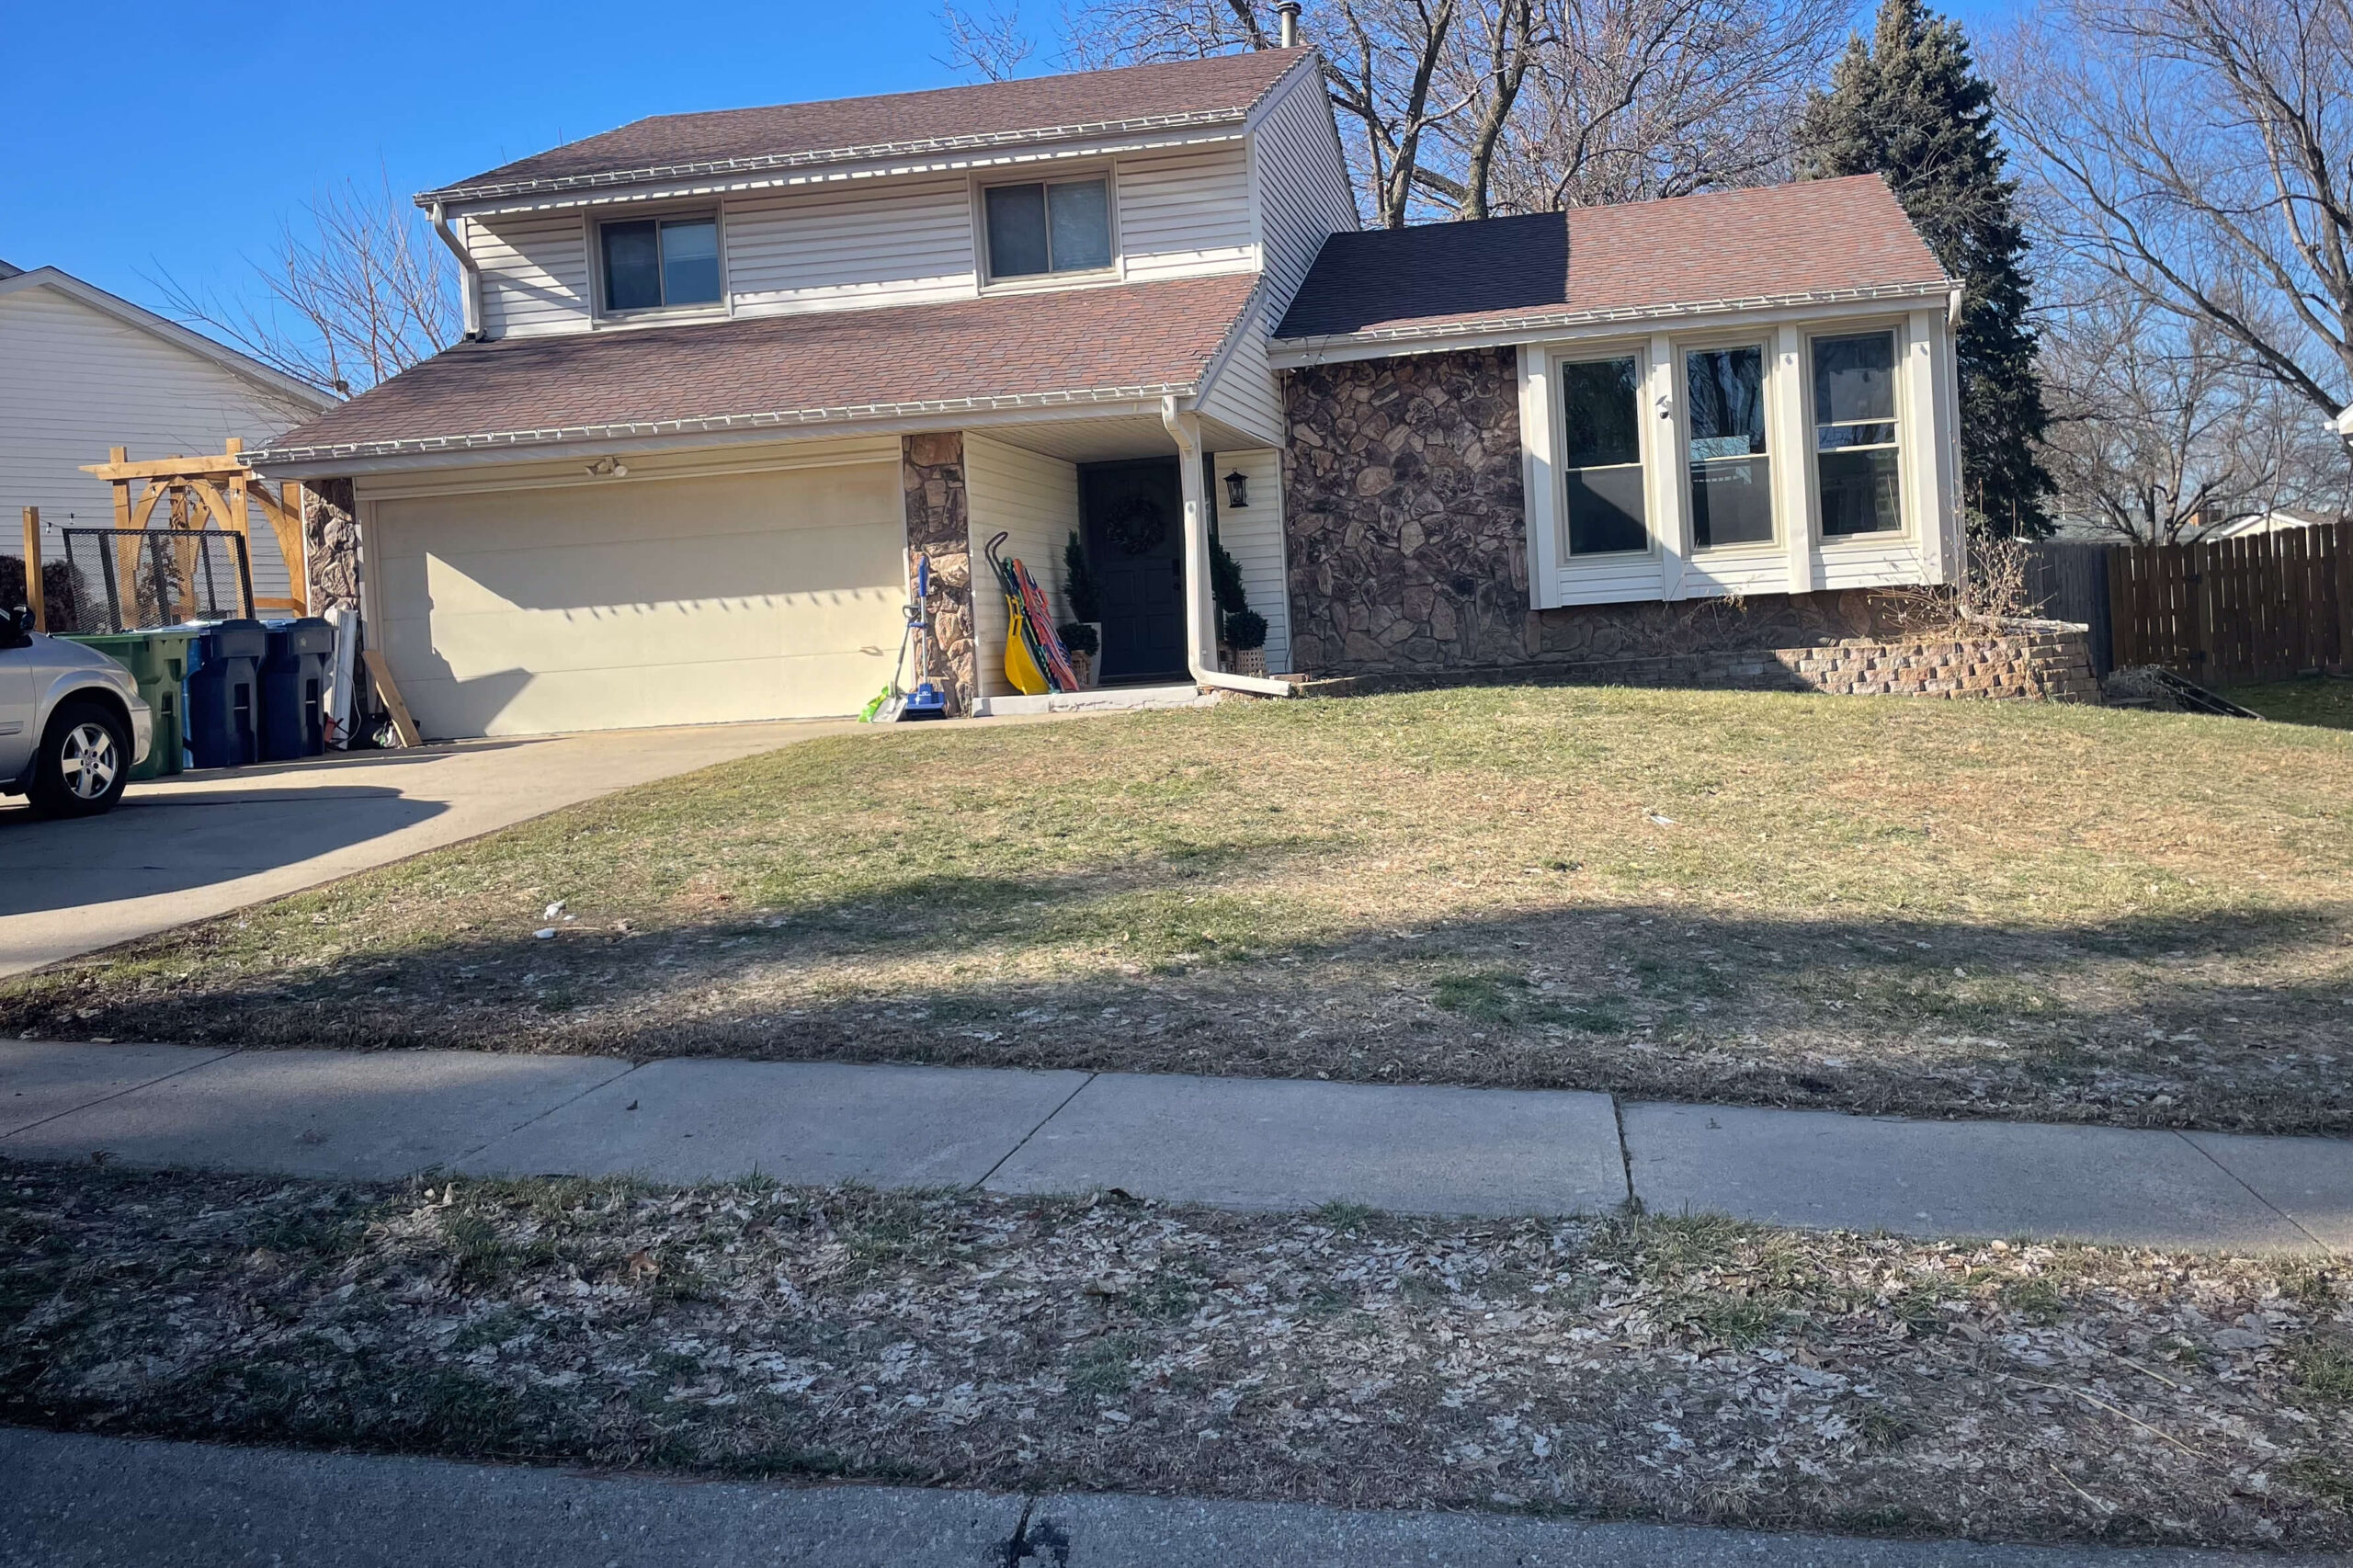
<point>676,590</point>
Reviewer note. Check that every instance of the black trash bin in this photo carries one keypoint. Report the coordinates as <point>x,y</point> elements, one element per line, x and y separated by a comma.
<point>225,694</point>
<point>293,689</point>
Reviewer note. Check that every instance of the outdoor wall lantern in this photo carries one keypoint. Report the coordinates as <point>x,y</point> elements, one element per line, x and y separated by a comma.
<point>1237,489</point>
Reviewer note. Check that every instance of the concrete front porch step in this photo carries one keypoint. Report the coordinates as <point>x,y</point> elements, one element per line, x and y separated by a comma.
<point>1103,699</point>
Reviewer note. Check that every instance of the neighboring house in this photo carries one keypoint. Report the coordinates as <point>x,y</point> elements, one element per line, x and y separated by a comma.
<point>81,371</point>
<point>726,373</point>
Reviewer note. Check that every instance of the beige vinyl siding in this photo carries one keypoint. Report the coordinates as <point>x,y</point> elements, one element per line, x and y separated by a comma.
<point>883,244</point>
<point>1243,394</point>
<point>673,600</point>
<point>1303,195</point>
<point>1186,211</point>
<point>1035,499</point>
<point>1253,534</point>
<point>78,380</point>
<point>535,276</point>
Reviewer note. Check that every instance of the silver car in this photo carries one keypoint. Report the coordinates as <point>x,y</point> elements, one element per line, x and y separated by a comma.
<point>73,724</point>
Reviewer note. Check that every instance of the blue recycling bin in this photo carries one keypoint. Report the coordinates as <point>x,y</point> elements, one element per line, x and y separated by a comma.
<point>293,689</point>
<point>225,694</point>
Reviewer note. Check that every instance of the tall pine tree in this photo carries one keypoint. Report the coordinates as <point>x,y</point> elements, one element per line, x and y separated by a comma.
<point>1909,103</point>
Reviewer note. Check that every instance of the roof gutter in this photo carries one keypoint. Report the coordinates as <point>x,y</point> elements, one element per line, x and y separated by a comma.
<point>1184,428</point>
<point>469,273</point>
<point>1431,337</point>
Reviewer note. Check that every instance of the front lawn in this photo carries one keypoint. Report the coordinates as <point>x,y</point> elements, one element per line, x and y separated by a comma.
<point>1881,905</point>
<point>1660,1368</point>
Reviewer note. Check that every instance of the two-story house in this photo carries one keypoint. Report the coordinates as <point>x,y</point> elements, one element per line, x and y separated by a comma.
<point>727,374</point>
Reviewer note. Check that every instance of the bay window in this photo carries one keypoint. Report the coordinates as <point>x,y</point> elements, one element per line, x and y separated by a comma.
<point>1601,457</point>
<point>1731,473</point>
<point>1854,434</point>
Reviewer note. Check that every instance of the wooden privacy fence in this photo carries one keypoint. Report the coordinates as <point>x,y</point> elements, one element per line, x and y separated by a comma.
<point>2268,607</point>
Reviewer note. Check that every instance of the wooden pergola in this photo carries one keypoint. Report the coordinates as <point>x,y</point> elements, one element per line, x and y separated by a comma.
<point>194,494</point>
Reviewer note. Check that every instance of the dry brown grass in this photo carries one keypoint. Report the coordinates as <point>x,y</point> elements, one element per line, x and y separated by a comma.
<point>1975,909</point>
<point>1688,1370</point>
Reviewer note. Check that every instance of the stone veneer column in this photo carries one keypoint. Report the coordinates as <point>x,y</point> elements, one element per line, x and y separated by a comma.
<point>931,471</point>
<point>331,543</point>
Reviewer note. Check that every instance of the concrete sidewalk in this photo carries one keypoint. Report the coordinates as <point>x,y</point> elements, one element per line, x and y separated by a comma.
<point>72,1501</point>
<point>1239,1142</point>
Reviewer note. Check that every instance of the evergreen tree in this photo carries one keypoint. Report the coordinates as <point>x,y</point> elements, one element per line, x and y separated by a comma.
<point>1909,103</point>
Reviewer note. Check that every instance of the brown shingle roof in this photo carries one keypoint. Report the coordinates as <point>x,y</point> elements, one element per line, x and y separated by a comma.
<point>1818,237</point>
<point>1079,346</point>
<point>1035,108</point>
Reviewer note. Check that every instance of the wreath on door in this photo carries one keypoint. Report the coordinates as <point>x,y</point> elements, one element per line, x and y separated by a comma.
<point>1136,525</point>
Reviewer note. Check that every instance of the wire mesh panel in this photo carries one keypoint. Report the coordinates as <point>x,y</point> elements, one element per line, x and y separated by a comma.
<point>137,579</point>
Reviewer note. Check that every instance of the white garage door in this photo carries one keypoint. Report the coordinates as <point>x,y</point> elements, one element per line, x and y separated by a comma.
<point>629,603</point>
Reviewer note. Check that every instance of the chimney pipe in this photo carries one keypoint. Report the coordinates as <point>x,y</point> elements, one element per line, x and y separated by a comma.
<point>1287,24</point>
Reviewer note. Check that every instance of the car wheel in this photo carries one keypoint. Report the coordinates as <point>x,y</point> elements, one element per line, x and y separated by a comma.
<point>84,763</point>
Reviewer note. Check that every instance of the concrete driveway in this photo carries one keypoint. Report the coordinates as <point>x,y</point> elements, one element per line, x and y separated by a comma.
<point>182,849</point>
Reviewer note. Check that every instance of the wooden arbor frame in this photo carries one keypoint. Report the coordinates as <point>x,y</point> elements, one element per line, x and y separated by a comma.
<point>221,491</point>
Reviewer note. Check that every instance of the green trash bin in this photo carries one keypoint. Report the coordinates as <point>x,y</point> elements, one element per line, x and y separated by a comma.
<point>158,662</point>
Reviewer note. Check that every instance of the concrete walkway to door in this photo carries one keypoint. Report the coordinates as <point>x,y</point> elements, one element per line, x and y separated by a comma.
<point>190,847</point>
<point>1267,1143</point>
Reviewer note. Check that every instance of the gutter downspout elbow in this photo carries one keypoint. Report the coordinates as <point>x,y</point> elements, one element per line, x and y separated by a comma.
<point>1201,610</point>
<point>469,275</point>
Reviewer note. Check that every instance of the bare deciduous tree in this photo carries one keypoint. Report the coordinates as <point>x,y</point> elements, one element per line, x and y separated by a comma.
<point>355,293</point>
<point>2193,154</point>
<point>2159,426</point>
<point>989,43</point>
<point>1466,108</point>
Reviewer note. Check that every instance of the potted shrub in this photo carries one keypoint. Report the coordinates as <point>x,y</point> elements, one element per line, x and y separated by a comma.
<point>1082,641</point>
<point>1246,634</point>
<point>1086,607</point>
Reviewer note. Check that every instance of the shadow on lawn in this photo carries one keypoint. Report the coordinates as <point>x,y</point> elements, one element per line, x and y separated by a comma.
<point>2239,1018</point>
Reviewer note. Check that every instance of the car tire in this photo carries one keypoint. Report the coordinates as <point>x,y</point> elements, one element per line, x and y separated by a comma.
<point>85,761</point>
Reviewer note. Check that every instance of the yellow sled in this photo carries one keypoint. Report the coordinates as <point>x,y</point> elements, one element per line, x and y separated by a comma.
<point>1020,666</point>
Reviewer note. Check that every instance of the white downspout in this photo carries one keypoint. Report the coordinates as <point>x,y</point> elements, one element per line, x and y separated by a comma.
<point>1200,622</point>
<point>469,275</point>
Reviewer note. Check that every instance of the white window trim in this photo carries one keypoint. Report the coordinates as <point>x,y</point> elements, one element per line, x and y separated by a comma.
<point>717,310</point>
<point>1799,559</point>
<point>1907,450</point>
<point>1776,392</point>
<point>1037,282</point>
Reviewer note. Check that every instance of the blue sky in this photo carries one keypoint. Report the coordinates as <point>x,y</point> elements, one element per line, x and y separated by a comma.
<point>102,180</point>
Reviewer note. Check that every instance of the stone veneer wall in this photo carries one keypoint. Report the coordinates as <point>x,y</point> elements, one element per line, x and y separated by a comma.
<point>2043,660</point>
<point>331,545</point>
<point>931,471</point>
<point>1407,537</point>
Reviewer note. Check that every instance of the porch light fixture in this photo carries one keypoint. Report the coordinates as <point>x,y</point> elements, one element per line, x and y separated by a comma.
<point>1237,490</point>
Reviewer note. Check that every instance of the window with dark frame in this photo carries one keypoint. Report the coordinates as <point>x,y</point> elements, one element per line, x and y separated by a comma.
<point>1855,434</point>
<point>1732,477</point>
<point>1048,227</point>
<point>654,263</point>
<point>1601,457</point>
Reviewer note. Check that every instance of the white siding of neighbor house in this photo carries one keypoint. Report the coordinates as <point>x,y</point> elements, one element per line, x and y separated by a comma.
<point>1254,536</point>
<point>78,381</point>
<point>1186,211</point>
<point>534,273</point>
<point>1033,498</point>
<point>851,246</point>
<point>1303,196</point>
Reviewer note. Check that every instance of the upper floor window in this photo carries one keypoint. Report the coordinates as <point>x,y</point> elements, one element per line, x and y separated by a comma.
<point>1056,226</point>
<point>1731,477</point>
<point>1854,434</point>
<point>1601,455</point>
<point>652,263</point>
